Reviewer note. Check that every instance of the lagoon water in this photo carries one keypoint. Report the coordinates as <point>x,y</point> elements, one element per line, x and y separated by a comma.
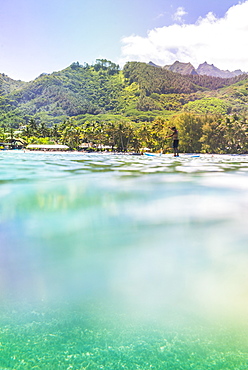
<point>123,262</point>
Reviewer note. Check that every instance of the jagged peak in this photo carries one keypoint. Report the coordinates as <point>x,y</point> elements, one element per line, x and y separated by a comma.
<point>153,64</point>
<point>212,70</point>
<point>182,68</point>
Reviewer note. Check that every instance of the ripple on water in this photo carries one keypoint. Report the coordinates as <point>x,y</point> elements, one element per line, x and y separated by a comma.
<point>20,165</point>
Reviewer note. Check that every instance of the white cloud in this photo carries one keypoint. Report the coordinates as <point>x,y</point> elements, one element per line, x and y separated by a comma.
<point>179,14</point>
<point>221,41</point>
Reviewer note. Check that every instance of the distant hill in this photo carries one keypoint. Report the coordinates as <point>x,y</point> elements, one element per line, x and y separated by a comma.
<point>138,92</point>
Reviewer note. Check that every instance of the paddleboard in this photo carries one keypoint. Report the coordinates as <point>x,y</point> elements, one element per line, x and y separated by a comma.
<point>171,155</point>
<point>153,154</point>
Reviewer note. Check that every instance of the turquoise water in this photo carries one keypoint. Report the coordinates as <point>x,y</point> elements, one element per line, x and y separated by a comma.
<point>120,261</point>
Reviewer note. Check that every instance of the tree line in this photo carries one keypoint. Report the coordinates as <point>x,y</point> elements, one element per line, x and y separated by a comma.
<point>198,133</point>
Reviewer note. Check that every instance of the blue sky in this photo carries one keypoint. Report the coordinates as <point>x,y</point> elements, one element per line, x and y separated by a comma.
<point>38,36</point>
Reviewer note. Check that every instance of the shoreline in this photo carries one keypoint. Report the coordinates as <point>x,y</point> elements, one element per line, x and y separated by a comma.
<point>67,152</point>
<point>147,154</point>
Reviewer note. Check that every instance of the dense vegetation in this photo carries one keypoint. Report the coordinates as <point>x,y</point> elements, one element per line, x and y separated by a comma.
<point>127,109</point>
<point>198,133</point>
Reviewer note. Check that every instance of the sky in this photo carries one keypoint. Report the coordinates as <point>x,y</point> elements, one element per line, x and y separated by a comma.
<point>43,36</point>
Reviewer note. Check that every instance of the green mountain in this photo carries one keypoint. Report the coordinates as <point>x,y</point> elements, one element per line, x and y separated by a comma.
<point>7,85</point>
<point>138,92</point>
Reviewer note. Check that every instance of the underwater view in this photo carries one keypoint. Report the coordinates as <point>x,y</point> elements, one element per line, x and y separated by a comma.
<point>113,261</point>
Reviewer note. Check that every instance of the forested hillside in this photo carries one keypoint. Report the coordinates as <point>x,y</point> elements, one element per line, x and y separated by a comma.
<point>7,85</point>
<point>73,91</point>
<point>128,108</point>
<point>139,91</point>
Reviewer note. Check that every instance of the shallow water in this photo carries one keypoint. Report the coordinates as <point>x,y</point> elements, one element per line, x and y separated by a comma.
<point>129,254</point>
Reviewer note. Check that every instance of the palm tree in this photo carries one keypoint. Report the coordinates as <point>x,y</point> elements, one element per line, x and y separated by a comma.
<point>2,134</point>
<point>54,132</point>
<point>43,130</point>
<point>33,126</point>
<point>71,136</point>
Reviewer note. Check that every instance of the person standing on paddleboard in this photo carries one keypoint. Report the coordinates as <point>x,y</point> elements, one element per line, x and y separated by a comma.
<point>174,135</point>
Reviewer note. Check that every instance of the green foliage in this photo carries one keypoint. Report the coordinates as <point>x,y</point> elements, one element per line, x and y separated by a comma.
<point>39,140</point>
<point>214,83</point>
<point>70,135</point>
<point>75,90</point>
<point>208,105</point>
<point>235,135</point>
<point>198,133</point>
<point>106,65</point>
<point>157,80</point>
<point>171,102</point>
<point>212,138</point>
<point>236,96</point>
<point>190,130</point>
<point>7,85</point>
<point>2,134</point>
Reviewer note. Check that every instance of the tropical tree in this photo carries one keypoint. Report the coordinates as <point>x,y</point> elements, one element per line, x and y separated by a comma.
<point>212,138</point>
<point>2,134</point>
<point>235,135</point>
<point>123,136</point>
<point>54,133</point>
<point>33,126</point>
<point>190,132</point>
<point>71,135</point>
<point>159,133</point>
<point>43,130</point>
<point>89,132</point>
<point>144,135</point>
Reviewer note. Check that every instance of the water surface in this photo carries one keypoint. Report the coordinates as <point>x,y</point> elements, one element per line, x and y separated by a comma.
<point>120,261</point>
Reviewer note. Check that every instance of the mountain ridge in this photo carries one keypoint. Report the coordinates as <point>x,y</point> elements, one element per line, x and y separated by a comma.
<point>211,70</point>
<point>203,69</point>
<point>177,67</point>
